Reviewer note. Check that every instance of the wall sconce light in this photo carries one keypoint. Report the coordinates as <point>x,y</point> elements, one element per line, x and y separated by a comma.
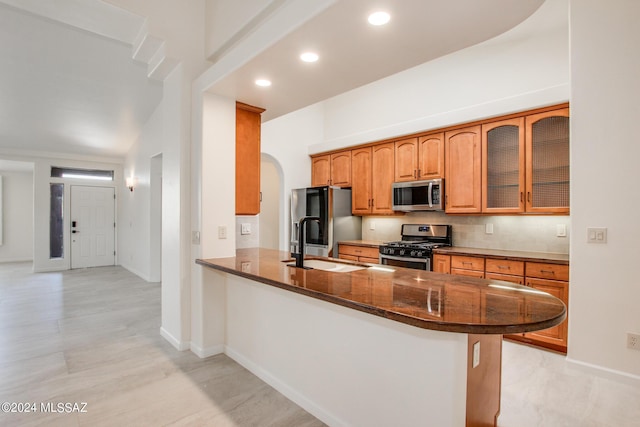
<point>131,182</point>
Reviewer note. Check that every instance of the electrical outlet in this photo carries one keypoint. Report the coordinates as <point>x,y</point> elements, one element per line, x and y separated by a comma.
<point>372,225</point>
<point>488,228</point>
<point>633,341</point>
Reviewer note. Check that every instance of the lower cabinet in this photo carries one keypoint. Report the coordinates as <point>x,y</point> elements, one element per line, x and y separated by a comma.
<point>546,277</point>
<point>359,253</point>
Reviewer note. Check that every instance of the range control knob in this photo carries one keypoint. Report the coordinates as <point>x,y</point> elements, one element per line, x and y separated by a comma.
<point>413,253</point>
<point>401,252</point>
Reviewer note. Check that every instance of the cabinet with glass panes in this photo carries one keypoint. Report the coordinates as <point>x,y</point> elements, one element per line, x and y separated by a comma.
<point>526,164</point>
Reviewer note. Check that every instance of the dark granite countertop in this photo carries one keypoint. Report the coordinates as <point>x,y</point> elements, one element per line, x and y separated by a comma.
<point>553,258</point>
<point>419,298</point>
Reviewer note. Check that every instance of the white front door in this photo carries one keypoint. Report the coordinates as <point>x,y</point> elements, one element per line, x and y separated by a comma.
<point>92,226</point>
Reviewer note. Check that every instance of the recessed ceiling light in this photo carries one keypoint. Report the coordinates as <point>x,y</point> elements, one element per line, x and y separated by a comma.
<point>379,18</point>
<point>309,57</point>
<point>263,82</point>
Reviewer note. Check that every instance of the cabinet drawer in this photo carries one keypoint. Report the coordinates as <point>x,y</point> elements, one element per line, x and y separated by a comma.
<point>506,277</point>
<point>505,266</point>
<point>359,251</point>
<point>547,271</point>
<point>470,273</point>
<point>467,263</point>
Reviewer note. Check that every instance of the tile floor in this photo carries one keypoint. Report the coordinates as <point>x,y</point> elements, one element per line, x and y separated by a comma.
<point>92,336</point>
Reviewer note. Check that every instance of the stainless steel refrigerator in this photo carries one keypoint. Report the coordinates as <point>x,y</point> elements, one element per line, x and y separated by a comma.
<point>333,206</point>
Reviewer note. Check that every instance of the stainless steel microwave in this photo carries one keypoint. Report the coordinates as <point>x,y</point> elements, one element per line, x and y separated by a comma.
<point>418,195</point>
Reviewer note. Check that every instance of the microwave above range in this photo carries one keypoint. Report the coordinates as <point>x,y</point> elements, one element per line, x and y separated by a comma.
<point>412,196</point>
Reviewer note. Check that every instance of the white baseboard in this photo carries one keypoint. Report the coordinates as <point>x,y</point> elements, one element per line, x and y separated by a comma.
<point>203,353</point>
<point>607,373</point>
<point>12,260</point>
<point>290,393</point>
<point>180,345</point>
<point>143,276</point>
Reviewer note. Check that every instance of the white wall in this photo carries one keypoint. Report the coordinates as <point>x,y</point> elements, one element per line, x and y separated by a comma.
<point>213,206</point>
<point>16,216</point>
<point>134,238</point>
<point>519,70</point>
<point>287,140</point>
<point>604,295</point>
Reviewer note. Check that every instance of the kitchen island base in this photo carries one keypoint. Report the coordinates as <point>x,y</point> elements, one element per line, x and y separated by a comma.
<point>347,367</point>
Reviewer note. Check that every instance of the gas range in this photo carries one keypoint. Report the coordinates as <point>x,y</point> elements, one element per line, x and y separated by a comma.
<point>415,248</point>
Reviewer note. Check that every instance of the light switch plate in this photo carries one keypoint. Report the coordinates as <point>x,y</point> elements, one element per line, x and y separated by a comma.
<point>245,228</point>
<point>561,230</point>
<point>488,228</point>
<point>476,354</point>
<point>596,235</point>
<point>222,232</point>
<point>195,237</point>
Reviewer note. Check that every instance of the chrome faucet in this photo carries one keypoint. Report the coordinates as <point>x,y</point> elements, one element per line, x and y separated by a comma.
<point>299,256</point>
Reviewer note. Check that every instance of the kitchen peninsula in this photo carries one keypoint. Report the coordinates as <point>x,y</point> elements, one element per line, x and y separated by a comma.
<point>375,346</point>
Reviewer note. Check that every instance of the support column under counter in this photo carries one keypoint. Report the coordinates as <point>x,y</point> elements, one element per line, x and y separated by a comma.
<point>346,347</point>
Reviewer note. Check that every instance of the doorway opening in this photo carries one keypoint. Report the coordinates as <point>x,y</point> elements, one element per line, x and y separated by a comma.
<point>271,208</point>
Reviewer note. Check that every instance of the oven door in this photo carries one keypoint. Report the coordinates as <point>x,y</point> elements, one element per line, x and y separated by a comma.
<point>397,261</point>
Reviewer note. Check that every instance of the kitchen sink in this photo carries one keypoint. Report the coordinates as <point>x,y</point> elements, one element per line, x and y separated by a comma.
<point>336,267</point>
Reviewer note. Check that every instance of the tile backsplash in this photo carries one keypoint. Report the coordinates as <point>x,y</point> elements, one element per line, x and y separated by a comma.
<point>510,232</point>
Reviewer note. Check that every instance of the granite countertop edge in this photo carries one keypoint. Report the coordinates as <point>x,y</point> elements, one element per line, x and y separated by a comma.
<point>232,265</point>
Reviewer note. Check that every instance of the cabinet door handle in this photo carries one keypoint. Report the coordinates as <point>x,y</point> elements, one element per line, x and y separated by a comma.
<point>548,271</point>
<point>522,197</point>
<point>467,263</point>
<point>529,196</point>
<point>504,267</point>
<point>419,173</point>
<point>414,173</point>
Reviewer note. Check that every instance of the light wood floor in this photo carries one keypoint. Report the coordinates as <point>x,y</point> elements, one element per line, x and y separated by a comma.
<point>93,336</point>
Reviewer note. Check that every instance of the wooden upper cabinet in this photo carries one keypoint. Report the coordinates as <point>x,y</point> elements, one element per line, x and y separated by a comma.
<point>547,158</point>
<point>419,158</point>
<point>372,169</point>
<point>382,159</point>
<point>248,122</point>
<point>331,169</point>
<point>431,156</point>
<point>320,170</point>
<point>503,166</point>
<point>463,177</point>
<point>361,183</point>
<point>406,160</point>
<point>341,169</point>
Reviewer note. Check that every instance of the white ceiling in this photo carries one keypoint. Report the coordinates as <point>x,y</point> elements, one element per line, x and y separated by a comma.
<point>67,90</point>
<point>70,87</point>
<point>353,53</point>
